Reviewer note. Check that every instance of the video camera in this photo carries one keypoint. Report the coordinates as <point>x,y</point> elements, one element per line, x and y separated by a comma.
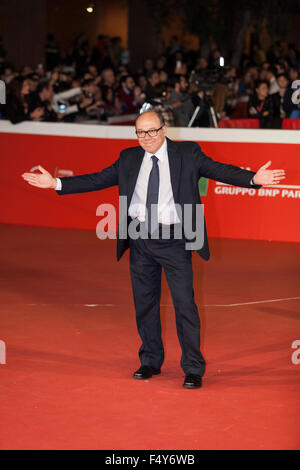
<point>206,80</point>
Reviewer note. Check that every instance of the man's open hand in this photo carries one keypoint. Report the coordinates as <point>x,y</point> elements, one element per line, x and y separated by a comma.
<point>264,176</point>
<point>40,180</point>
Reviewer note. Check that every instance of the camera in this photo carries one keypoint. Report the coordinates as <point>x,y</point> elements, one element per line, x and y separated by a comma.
<point>62,108</point>
<point>206,80</point>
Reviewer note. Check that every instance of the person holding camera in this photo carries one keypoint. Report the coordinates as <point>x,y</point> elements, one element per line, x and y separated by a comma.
<point>42,99</point>
<point>180,101</point>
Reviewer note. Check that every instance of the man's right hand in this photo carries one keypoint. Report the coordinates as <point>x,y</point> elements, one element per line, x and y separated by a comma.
<point>40,180</point>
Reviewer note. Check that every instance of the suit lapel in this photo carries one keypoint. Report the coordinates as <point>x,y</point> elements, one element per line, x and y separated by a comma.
<point>134,169</point>
<point>175,167</point>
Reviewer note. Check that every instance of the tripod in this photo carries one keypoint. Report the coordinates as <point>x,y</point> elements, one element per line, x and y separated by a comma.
<point>211,110</point>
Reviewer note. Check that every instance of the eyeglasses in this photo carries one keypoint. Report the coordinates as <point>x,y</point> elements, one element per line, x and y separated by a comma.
<point>151,133</point>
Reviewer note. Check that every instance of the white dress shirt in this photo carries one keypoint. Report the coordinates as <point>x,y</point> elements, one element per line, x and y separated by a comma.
<point>166,206</point>
<point>58,184</point>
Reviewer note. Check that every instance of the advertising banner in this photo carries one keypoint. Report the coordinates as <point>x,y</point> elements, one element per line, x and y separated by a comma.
<point>270,213</point>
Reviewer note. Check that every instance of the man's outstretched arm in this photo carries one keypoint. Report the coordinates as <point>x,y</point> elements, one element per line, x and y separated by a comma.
<point>74,184</point>
<point>232,174</point>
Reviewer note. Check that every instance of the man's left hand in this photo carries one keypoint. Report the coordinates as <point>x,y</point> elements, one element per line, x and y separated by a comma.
<point>264,176</point>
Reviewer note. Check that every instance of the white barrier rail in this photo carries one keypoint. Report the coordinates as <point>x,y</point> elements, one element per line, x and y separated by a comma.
<point>199,134</point>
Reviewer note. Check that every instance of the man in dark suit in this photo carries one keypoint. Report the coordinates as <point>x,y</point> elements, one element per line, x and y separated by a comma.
<point>162,176</point>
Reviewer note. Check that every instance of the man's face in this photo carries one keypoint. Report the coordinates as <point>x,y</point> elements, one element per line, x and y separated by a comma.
<point>33,83</point>
<point>183,84</point>
<point>262,91</point>
<point>142,81</point>
<point>109,77</point>
<point>282,82</point>
<point>129,83</point>
<point>154,80</point>
<point>146,122</point>
<point>47,93</point>
<point>93,70</point>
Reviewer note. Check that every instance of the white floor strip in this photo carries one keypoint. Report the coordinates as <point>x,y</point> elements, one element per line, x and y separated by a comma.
<point>251,303</point>
<point>170,305</point>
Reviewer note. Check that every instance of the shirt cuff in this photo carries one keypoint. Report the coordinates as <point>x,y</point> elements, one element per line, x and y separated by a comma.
<point>58,184</point>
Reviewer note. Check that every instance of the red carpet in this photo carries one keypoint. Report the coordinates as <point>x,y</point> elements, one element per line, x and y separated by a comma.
<point>67,319</point>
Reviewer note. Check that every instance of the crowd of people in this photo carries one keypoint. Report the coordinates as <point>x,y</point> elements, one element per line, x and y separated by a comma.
<point>191,90</point>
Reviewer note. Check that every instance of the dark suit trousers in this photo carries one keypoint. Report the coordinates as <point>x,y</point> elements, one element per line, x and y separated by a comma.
<point>147,258</point>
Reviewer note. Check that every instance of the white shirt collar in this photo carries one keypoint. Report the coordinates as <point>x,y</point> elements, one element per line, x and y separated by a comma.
<point>160,153</point>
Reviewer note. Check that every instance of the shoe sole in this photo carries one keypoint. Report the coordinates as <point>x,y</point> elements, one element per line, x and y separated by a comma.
<point>192,386</point>
<point>145,378</point>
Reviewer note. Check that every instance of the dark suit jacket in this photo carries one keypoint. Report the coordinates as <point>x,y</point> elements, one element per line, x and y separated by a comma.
<point>187,164</point>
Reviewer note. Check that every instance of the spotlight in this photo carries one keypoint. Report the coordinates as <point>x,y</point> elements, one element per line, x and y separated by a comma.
<point>90,8</point>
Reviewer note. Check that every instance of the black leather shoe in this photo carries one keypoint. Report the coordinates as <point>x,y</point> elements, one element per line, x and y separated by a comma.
<point>145,372</point>
<point>192,381</point>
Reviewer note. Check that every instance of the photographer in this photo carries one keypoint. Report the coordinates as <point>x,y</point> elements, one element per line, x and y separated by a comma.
<point>69,104</point>
<point>153,79</point>
<point>42,98</point>
<point>92,96</point>
<point>200,99</point>
<point>180,101</point>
